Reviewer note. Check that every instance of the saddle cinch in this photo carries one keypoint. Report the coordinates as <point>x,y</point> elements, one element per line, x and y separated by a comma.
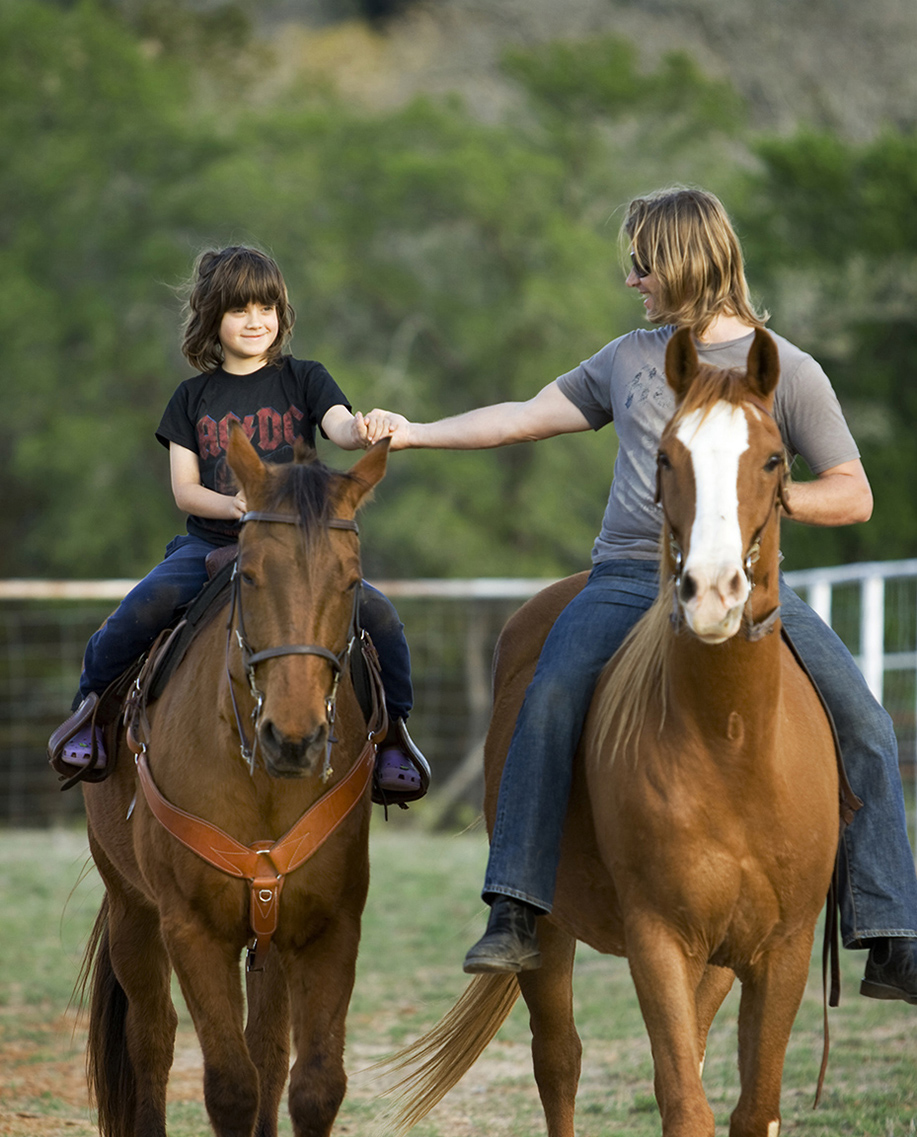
<point>123,705</point>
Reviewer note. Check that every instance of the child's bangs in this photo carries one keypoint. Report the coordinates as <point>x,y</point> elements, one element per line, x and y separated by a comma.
<point>253,282</point>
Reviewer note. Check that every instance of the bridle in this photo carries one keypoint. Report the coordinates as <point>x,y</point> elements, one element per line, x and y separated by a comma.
<point>250,659</point>
<point>754,629</point>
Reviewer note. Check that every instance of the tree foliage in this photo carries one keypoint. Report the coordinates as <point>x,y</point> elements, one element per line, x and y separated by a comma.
<point>832,238</point>
<point>436,263</point>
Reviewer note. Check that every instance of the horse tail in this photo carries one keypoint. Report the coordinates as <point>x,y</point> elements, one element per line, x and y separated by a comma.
<point>443,1056</point>
<point>109,1069</point>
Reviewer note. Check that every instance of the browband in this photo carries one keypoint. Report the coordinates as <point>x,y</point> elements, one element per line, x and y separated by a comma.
<point>292,519</point>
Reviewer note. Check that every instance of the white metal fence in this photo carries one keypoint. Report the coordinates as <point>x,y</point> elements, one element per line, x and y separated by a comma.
<point>452,626</point>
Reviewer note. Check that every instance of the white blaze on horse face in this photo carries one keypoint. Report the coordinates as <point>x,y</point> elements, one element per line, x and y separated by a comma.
<point>714,584</point>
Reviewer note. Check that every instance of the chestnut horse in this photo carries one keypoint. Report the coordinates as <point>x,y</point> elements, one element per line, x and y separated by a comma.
<point>242,739</point>
<point>703,821</point>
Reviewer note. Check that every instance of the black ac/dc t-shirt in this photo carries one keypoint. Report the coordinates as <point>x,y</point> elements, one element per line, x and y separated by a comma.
<point>276,405</point>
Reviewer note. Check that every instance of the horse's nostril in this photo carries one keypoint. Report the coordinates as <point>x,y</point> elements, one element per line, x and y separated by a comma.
<point>688,587</point>
<point>287,752</point>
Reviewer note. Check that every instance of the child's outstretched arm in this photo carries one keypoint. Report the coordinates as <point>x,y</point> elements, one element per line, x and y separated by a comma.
<point>191,497</point>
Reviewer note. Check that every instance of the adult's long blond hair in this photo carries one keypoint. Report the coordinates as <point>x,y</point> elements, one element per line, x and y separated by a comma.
<point>685,239</point>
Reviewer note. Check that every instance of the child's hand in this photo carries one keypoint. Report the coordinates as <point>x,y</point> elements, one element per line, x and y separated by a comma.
<point>379,424</point>
<point>237,507</point>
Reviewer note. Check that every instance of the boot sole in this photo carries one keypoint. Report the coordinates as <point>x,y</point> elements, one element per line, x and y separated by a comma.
<point>486,965</point>
<point>882,991</point>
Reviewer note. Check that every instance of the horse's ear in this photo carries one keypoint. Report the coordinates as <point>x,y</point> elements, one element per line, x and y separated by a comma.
<point>366,474</point>
<point>244,462</point>
<point>763,363</point>
<point>681,362</point>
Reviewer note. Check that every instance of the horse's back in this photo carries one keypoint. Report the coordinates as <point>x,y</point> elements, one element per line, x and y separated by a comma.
<point>585,903</point>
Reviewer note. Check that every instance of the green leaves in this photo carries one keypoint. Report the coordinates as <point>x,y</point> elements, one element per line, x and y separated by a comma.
<point>436,263</point>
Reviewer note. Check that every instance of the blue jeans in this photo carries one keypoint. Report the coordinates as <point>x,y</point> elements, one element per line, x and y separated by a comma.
<point>878,883</point>
<point>154,603</point>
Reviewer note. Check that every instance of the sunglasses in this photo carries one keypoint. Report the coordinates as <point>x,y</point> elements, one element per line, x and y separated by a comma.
<point>640,270</point>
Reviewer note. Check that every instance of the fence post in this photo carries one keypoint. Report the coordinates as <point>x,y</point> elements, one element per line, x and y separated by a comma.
<point>872,633</point>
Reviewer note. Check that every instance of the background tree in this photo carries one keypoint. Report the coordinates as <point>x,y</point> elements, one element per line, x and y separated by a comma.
<point>831,232</point>
<point>436,261</point>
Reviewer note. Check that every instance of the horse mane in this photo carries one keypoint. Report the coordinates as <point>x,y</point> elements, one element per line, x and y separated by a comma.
<point>308,486</point>
<point>634,675</point>
<point>712,385</point>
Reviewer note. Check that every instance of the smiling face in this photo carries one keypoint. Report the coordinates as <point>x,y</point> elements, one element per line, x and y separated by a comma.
<point>246,335</point>
<point>647,284</point>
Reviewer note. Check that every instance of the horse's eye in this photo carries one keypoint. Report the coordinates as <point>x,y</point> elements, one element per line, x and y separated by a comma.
<point>773,463</point>
<point>662,461</point>
<point>247,578</point>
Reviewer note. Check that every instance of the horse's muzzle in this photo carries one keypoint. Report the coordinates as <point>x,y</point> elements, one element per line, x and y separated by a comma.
<point>286,757</point>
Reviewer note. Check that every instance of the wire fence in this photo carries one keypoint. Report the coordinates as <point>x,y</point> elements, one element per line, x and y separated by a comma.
<point>452,627</point>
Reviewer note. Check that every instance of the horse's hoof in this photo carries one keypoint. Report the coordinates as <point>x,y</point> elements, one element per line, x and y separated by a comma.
<point>510,943</point>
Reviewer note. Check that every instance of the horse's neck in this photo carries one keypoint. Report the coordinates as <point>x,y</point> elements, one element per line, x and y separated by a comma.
<point>731,690</point>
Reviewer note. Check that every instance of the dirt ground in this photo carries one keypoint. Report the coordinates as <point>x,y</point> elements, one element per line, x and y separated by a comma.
<point>51,1073</point>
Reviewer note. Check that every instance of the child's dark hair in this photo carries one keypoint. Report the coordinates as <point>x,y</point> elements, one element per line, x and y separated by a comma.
<point>231,278</point>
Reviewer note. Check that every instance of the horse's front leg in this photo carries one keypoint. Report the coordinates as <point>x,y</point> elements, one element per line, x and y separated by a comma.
<point>267,1033</point>
<point>207,966</point>
<point>772,990</point>
<point>666,978</point>
<point>556,1046</point>
<point>320,976</point>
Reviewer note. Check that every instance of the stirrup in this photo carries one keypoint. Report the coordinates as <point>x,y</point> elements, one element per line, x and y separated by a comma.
<point>76,750</point>
<point>401,773</point>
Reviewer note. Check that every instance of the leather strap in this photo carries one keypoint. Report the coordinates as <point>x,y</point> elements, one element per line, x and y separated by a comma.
<point>291,519</point>
<point>263,863</point>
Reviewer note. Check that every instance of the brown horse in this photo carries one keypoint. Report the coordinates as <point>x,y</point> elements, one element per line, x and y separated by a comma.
<point>272,674</point>
<point>703,821</point>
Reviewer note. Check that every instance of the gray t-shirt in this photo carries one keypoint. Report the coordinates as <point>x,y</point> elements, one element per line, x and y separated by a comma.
<point>625,383</point>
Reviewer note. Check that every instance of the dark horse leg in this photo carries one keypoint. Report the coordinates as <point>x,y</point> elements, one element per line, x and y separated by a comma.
<point>267,1033</point>
<point>320,983</point>
<point>556,1047</point>
<point>207,966</point>
<point>132,1021</point>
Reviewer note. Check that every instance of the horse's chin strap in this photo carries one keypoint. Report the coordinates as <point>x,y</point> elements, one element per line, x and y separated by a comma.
<point>250,659</point>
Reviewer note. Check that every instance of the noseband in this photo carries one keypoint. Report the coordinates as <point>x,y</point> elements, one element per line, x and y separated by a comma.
<point>250,659</point>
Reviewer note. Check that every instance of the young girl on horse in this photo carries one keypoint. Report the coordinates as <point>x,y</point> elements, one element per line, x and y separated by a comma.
<point>238,323</point>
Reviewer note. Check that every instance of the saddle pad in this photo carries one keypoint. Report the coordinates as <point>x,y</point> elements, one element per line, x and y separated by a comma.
<point>212,598</point>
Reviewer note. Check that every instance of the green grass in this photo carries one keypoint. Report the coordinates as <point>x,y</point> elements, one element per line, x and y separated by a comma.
<point>422,914</point>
